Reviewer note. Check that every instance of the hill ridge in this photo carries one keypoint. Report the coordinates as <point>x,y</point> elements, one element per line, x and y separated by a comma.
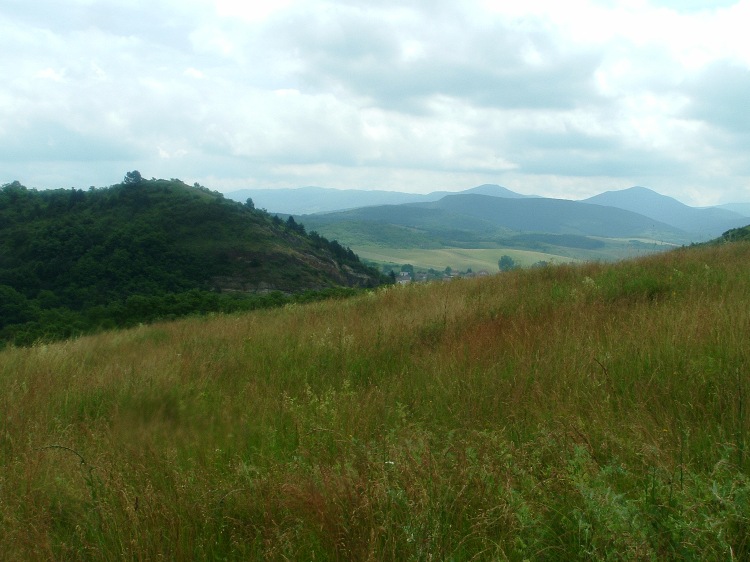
<point>114,255</point>
<point>314,199</point>
<point>705,222</point>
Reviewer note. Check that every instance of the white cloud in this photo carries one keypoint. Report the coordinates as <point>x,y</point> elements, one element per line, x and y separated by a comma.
<point>549,97</point>
<point>51,74</point>
<point>193,73</point>
<point>251,10</point>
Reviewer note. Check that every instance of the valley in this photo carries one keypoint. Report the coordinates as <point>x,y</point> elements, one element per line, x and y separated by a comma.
<point>443,229</point>
<point>476,259</point>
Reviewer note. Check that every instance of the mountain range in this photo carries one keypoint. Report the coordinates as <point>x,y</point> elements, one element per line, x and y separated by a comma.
<point>741,208</point>
<point>707,222</point>
<point>634,212</point>
<point>312,199</point>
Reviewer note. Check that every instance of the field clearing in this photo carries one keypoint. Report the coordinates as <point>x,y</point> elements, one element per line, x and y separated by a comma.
<point>486,258</point>
<point>457,258</point>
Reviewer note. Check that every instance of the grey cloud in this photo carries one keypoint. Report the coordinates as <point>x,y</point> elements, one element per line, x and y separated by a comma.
<point>433,87</point>
<point>53,141</point>
<point>719,96</point>
<point>626,163</point>
<point>570,139</point>
<point>577,153</point>
<point>561,84</point>
<point>362,55</point>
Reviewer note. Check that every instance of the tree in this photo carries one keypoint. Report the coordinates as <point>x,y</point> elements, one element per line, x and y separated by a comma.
<point>506,263</point>
<point>14,307</point>
<point>294,226</point>
<point>133,178</point>
<point>249,203</point>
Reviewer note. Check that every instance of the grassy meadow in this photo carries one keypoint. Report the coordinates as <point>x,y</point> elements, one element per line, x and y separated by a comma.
<point>480,258</point>
<point>459,259</point>
<point>571,412</point>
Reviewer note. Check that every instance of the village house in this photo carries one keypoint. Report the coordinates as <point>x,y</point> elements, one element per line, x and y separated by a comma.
<point>403,278</point>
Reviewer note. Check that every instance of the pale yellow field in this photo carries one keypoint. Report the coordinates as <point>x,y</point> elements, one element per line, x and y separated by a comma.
<point>457,258</point>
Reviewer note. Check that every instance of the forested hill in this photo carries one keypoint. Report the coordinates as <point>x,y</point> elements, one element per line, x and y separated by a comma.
<point>72,260</point>
<point>734,235</point>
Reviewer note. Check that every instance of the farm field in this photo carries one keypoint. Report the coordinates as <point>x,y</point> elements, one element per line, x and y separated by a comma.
<point>456,258</point>
<point>486,258</point>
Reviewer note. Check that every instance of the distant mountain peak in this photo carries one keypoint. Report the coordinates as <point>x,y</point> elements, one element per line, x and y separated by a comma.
<point>643,191</point>
<point>636,198</point>
<point>704,222</point>
<point>495,191</point>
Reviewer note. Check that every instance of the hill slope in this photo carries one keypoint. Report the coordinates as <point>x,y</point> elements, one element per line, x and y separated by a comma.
<point>556,216</point>
<point>596,412</point>
<point>70,250</point>
<point>734,235</point>
<point>472,218</point>
<point>739,208</point>
<point>703,223</point>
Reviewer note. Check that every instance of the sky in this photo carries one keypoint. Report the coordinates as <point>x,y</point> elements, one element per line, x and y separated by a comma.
<point>559,99</point>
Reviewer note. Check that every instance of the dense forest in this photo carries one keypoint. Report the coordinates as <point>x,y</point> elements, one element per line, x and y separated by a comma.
<point>74,261</point>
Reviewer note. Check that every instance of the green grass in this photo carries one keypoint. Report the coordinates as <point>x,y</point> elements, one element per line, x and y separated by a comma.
<point>457,258</point>
<point>487,258</point>
<point>574,412</point>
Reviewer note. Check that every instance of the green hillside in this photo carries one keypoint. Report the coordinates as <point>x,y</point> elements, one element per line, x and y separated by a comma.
<point>555,216</point>
<point>587,412</point>
<point>735,235</point>
<point>472,216</point>
<point>561,230</point>
<point>73,260</point>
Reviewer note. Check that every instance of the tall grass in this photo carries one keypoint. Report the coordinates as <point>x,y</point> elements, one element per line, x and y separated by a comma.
<point>572,412</point>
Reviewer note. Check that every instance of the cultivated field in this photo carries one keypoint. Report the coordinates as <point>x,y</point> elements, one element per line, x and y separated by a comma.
<point>460,259</point>
<point>571,412</point>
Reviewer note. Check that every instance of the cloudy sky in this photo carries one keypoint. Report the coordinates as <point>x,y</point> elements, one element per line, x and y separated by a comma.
<point>563,99</point>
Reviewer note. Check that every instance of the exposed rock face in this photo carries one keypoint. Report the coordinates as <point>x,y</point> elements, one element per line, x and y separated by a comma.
<point>256,272</point>
<point>239,284</point>
<point>356,279</point>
